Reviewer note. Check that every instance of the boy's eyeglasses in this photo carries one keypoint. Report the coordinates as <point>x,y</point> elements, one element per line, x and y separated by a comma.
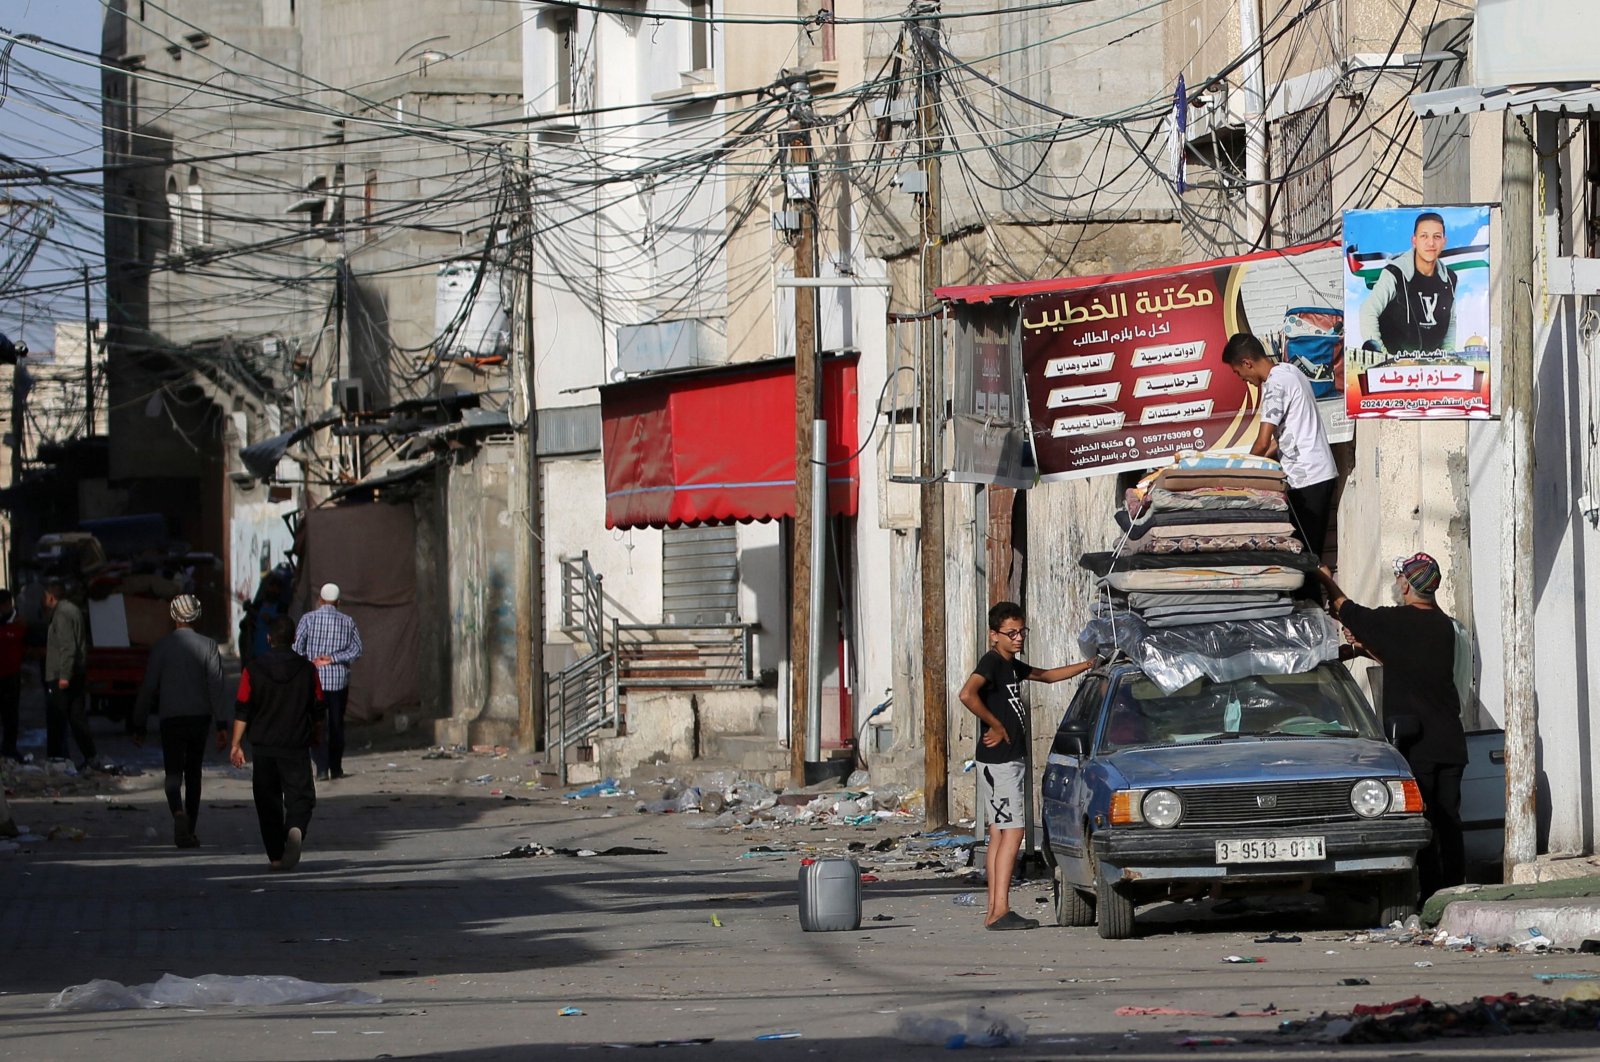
<point>1014,635</point>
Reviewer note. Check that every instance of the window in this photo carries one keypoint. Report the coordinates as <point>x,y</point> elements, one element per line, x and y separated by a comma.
<point>566,44</point>
<point>701,56</point>
<point>194,204</point>
<point>175,212</point>
<point>700,575</point>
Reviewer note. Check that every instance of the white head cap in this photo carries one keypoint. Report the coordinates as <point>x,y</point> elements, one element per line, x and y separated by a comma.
<point>330,592</point>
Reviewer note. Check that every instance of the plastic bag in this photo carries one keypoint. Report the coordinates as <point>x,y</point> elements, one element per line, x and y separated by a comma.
<point>208,990</point>
<point>984,1028</point>
<point>1173,657</point>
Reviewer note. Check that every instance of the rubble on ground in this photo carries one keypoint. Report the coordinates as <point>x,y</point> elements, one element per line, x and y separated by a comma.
<point>1415,1019</point>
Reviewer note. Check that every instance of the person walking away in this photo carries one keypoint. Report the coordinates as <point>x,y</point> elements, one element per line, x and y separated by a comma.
<point>281,709</point>
<point>13,633</point>
<point>1415,642</point>
<point>184,681</point>
<point>993,693</point>
<point>329,639</point>
<point>66,666</point>
<point>1292,432</point>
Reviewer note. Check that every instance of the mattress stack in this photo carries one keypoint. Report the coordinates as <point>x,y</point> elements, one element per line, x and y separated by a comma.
<point>1208,539</point>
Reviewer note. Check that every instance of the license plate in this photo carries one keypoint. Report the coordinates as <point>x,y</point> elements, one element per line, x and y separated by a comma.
<point>1271,850</point>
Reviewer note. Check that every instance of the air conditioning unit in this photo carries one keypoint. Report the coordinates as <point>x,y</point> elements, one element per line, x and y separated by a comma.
<point>350,395</point>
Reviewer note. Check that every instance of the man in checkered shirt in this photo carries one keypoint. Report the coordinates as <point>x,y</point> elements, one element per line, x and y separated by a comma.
<point>329,639</point>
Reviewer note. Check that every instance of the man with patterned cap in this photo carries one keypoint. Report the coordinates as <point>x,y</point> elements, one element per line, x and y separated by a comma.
<point>1416,643</point>
<point>329,639</point>
<point>184,681</point>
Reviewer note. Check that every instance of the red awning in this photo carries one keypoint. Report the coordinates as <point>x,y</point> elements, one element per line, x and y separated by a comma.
<point>714,446</point>
<point>1017,289</point>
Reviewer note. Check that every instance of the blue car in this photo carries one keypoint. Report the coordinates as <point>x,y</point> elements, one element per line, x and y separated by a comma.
<point>1269,783</point>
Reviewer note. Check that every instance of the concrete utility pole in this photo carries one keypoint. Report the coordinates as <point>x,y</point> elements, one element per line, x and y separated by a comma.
<point>935,681</point>
<point>88,359</point>
<point>1516,520</point>
<point>528,562</point>
<point>1255,126</point>
<point>800,196</point>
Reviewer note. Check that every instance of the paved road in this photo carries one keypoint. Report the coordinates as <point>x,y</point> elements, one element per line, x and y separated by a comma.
<point>474,956</point>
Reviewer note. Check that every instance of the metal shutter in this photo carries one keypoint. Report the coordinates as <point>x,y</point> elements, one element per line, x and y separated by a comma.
<point>699,575</point>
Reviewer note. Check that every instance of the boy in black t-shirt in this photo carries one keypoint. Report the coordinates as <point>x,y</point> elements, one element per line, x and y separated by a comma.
<point>993,693</point>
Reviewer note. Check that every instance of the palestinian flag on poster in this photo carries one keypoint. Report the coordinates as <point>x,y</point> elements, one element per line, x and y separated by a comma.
<point>1369,265</point>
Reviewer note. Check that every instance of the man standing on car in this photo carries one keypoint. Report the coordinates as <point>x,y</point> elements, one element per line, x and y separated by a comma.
<point>1291,433</point>
<point>66,666</point>
<point>330,640</point>
<point>993,693</point>
<point>183,679</point>
<point>1416,643</point>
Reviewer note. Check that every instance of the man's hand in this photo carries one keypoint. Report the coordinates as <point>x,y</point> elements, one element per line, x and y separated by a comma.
<point>62,684</point>
<point>322,661</point>
<point>222,740</point>
<point>236,756</point>
<point>993,736</point>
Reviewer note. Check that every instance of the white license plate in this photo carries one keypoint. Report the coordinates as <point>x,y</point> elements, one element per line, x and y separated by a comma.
<point>1271,850</point>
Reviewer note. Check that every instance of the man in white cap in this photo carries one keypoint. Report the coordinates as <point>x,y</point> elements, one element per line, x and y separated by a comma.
<point>329,639</point>
<point>184,681</point>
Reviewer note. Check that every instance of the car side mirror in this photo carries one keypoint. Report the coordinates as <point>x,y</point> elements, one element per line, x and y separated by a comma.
<point>1070,743</point>
<point>1402,730</point>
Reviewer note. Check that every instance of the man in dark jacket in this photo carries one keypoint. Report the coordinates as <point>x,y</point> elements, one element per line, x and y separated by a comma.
<point>281,708</point>
<point>1416,643</point>
<point>66,666</point>
<point>184,680</point>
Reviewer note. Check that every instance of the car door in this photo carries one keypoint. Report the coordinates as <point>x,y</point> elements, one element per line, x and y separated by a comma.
<point>1063,790</point>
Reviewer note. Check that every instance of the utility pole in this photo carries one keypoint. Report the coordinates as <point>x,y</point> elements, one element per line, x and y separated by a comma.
<point>88,359</point>
<point>799,196</point>
<point>935,681</point>
<point>1255,127</point>
<point>528,564</point>
<point>1517,593</point>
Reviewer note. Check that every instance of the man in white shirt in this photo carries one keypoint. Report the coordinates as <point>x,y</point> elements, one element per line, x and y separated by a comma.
<point>1291,432</point>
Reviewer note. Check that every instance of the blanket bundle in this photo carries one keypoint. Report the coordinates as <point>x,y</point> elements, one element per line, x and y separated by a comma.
<point>1207,539</point>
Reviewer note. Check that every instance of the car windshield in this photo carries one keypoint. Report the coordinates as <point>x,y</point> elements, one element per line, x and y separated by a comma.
<point>1320,703</point>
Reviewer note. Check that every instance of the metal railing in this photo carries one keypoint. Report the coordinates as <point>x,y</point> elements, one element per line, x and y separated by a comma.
<point>667,656</point>
<point>581,600</point>
<point>579,699</point>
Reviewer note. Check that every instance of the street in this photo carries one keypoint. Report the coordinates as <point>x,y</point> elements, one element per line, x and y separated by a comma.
<point>474,956</point>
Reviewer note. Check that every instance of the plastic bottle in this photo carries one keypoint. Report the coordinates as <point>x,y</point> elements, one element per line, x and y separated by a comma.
<point>927,1029</point>
<point>968,899</point>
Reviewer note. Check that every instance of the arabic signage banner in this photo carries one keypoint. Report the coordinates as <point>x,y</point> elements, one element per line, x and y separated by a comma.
<point>1416,297</point>
<point>1123,373</point>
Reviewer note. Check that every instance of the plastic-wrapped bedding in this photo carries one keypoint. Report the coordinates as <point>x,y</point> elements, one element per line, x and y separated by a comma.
<point>1176,656</point>
<point>1159,500</point>
<point>1172,519</point>
<point>1190,618</point>
<point>1204,545</point>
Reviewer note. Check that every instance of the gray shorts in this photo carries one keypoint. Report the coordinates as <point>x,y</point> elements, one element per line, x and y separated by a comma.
<point>1003,807</point>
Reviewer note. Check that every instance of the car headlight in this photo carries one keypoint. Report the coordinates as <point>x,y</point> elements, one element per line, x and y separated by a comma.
<point>1163,807</point>
<point>1370,798</point>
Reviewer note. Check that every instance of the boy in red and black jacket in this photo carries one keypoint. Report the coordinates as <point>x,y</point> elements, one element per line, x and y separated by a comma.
<point>281,708</point>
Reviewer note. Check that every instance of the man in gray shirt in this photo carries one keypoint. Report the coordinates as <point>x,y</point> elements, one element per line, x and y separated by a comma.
<point>184,680</point>
<point>66,666</point>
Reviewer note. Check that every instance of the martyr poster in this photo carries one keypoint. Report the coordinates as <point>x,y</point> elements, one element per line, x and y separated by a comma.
<point>1122,372</point>
<point>1416,299</point>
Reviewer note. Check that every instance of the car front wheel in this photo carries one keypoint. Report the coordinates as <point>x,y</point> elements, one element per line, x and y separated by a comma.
<point>1397,897</point>
<point>1113,909</point>
<point>1073,908</point>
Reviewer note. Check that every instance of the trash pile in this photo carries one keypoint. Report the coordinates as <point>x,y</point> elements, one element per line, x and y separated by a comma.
<point>1414,1019</point>
<point>208,990</point>
<point>983,1028</point>
<point>1412,932</point>
<point>1200,581</point>
<point>726,802</point>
